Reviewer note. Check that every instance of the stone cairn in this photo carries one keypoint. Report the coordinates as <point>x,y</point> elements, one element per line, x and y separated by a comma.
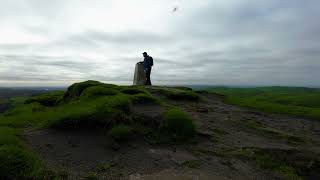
<point>139,75</point>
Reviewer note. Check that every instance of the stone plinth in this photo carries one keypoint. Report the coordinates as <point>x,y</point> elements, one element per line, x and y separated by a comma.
<point>139,75</point>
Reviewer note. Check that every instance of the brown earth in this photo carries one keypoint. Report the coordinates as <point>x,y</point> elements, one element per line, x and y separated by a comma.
<point>222,130</point>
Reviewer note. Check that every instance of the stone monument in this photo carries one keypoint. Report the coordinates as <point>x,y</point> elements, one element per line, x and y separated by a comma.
<point>139,75</point>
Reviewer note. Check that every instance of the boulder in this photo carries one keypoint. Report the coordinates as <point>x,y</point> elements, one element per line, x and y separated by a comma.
<point>139,75</point>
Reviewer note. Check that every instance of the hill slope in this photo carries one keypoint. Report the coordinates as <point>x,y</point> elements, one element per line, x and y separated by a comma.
<point>104,131</point>
<point>298,101</point>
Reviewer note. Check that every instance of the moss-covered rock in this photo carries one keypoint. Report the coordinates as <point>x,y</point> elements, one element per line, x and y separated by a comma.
<point>97,91</point>
<point>48,99</point>
<point>144,98</point>
<point>75,90</point>
<point>133,90</point>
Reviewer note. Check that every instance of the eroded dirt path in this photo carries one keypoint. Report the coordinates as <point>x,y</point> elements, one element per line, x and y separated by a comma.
<point>223,129</point>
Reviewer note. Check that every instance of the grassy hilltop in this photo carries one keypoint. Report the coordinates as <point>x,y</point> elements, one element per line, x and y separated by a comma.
<point>89,105</point>
<point>124,130</point>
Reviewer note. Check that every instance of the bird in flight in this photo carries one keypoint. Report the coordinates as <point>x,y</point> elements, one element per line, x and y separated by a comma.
<point>175,9</point>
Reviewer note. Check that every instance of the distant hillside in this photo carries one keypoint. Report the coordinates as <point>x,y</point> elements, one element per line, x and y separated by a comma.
<point>298,101</point>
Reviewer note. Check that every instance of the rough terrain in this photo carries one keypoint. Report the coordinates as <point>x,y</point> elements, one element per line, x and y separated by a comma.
<point>228,145</point>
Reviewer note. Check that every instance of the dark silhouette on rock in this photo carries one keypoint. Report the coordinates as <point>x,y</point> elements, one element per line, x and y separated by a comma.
<point>147,64</point>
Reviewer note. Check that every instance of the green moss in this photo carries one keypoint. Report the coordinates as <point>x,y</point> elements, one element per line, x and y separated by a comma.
<point>48,99</point>
<point>75,90</point>
<point>97,91</point>
<point>95,113</point>
<point>17,163</point>
<point>9,136</point>
<point>178,94</point>
<point>144,98</point>
<point>120,132</point>
<point>178,124</point>
<point>133,90</point>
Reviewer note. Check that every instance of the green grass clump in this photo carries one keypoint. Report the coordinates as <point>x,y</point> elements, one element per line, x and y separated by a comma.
<point>94,113</point>
<point>178,124</point>
<point>97,91</point>
<point>144,98</point>
<point>304,102</point>
<point>75,90</point>
<point>120,132</point>
<point>119,102</point>
<point>133,90</point>
<point>48,99</point>
<point>18,163</point>
<point>176,94</point>
<point>9,136</point>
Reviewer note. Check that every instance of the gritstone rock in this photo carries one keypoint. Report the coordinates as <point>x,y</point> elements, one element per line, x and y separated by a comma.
<point>139,75</point>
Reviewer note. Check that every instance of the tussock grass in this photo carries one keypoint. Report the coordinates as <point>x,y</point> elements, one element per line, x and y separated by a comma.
<point>94,113</point>
<point>120,132</point>
<point>97,91</point>
<point>9,136</point>
<point>48,99</point>
<point>145,98</point>
<point>89,105</point>
<point>178,124</point>
<point>75,90</point>
<point>18,163</point>
<point>133,90</point>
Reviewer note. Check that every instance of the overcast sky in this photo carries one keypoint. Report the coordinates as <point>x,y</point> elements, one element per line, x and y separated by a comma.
<point>218,42</point>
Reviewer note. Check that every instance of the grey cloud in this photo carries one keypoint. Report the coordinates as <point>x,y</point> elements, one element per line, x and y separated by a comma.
<point>231,42</point>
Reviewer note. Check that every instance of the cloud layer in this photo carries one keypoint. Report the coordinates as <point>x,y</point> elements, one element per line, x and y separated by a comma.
<point>218,42</point>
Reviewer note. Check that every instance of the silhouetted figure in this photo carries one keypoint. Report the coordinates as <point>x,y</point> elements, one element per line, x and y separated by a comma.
<point>147,64</point>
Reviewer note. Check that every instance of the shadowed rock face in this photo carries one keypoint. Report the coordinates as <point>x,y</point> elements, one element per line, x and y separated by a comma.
<point>139,75</point>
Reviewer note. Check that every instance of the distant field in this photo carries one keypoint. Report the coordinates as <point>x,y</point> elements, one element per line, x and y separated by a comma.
<point>303,102</point>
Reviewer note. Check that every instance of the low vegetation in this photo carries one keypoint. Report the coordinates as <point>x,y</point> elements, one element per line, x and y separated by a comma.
<point>97,91</point>
<point>267,131</point>
<point>178,124</point>
<point>48,99</point>
<point>178,93</point>
<point>89,105</point>
<point>275,160</point>
<point>304,102</point>
<point>120,132</point>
